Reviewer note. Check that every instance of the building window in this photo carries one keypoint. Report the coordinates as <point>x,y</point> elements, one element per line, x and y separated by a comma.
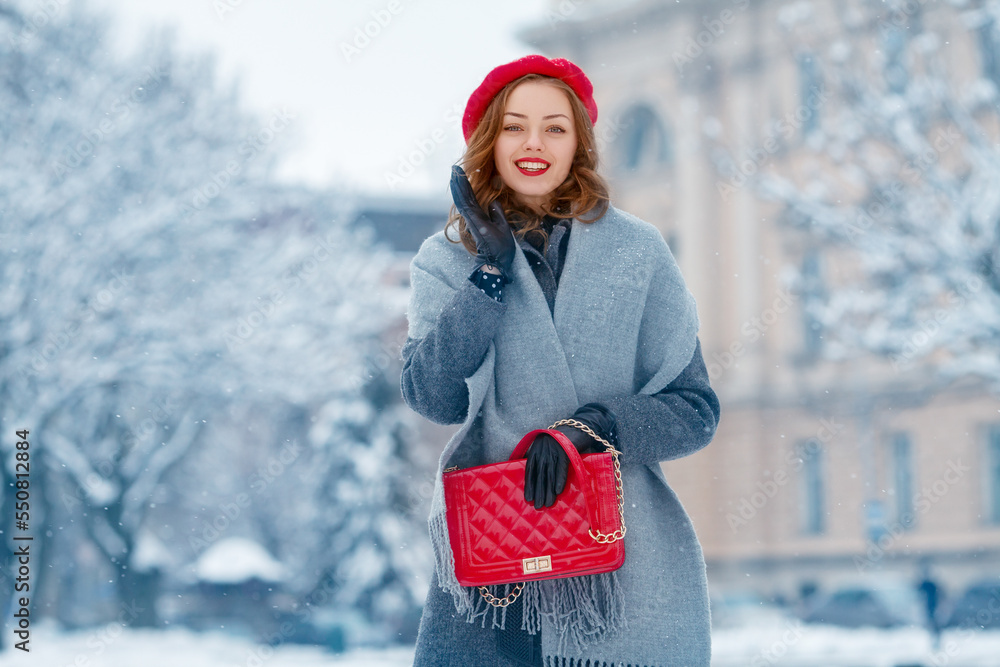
<point>993,472</point>
<point>901,485</point>
<point>894,46</point>
<point>674,243</point>
<point>989,48</point>
<point>643,141</point>
<point>810,83</point>
<point>814,297</point>
<point>813,488</point>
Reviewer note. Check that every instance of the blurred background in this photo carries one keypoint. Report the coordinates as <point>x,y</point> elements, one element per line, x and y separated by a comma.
<point>207,213</point>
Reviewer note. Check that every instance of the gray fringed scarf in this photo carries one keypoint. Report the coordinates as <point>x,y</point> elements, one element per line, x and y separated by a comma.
<point>624,323</point>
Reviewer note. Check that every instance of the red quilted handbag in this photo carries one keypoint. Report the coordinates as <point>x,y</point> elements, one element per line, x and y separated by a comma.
<point>498,538</point>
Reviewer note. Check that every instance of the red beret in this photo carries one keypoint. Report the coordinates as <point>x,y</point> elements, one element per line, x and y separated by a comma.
<point>557,68</point>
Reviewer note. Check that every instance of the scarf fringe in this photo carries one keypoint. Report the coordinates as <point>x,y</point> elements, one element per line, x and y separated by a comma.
<point>582,610</point>
<point>554,661</point>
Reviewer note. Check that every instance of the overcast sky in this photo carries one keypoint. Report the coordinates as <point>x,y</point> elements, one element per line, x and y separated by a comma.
<point>364,110</point>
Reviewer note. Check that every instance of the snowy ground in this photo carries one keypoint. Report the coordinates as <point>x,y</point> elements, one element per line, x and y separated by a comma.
<point>795,644</point>
<point>790,644</point>
<point>183,648</point>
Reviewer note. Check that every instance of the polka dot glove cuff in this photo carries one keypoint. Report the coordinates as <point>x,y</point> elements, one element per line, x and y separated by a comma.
<point>491,283</point>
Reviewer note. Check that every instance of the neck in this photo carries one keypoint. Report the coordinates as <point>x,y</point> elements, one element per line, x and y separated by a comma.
<point>534,204</point>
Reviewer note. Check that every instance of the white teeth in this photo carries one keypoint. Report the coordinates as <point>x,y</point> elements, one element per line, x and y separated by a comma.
<point>532,166</point>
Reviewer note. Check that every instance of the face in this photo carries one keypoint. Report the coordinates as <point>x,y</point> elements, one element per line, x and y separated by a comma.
<point>537,141</point>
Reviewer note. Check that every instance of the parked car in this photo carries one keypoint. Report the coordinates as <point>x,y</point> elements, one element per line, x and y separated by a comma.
<point>742,608</point>
<point>978,607</point>
<point>880,605</point>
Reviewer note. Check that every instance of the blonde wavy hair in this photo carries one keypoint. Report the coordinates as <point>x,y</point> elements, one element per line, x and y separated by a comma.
<point>583,191</point>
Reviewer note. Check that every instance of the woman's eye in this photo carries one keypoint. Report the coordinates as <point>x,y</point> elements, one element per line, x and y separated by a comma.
<point>511,128</point>
<point>556,128</point>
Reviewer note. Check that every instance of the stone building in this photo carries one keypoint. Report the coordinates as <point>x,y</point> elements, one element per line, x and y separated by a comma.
<point>821,473</point>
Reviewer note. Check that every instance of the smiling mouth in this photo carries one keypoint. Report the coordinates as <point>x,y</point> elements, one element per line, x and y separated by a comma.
<point>532,167</point>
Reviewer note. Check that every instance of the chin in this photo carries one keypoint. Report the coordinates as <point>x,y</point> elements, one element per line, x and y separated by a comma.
<point>536,190</point>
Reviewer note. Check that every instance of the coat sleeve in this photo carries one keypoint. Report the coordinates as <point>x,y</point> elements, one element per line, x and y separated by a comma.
<point>678,420</point>
<point>446,347</point>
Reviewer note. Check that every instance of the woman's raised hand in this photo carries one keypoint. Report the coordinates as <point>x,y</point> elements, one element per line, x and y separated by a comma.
<point>493,236</point>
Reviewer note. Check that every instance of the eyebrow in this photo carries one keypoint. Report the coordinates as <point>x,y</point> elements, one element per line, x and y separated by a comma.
<point>554,115</point>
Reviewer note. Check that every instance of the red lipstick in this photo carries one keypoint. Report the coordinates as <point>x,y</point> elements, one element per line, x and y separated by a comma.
<point>532,172</point>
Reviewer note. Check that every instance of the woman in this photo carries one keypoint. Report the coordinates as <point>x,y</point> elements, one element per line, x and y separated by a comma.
<point>555,304</point>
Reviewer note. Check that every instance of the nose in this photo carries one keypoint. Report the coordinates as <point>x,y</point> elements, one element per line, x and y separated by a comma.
<point>533,141</point>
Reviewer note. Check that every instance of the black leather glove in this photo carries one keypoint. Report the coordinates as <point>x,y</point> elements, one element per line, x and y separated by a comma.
<point>547,466</point>
<point>493,236</point>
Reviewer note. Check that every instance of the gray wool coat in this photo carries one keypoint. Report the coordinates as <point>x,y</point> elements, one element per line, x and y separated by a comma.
<point>620,329</point>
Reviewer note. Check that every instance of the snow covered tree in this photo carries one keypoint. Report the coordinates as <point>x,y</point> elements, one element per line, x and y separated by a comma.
<point>103,264</point>
<point>895,183</point>
<point>371,557</point>
<point>332,501</point>
<point>154,280</point>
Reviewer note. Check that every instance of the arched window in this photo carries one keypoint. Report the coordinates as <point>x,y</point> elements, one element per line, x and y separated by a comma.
<point>642,140</point>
